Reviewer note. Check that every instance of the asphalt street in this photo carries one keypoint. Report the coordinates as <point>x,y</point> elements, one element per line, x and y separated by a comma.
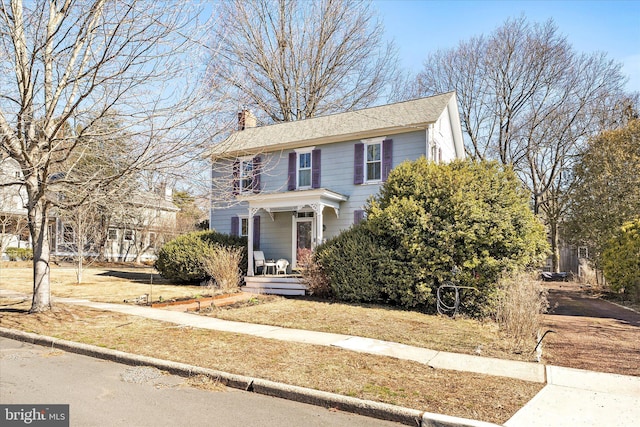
<point>103,393</point>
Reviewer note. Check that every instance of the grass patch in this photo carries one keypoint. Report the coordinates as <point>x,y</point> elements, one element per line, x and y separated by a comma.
<point>459,335</point>
<point>384,379</point>
<point>101,284</point>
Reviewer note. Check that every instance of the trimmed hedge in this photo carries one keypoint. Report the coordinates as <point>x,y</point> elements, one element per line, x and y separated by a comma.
<point>15,254</point>
<point>180,259</point>
<point>352,254</point>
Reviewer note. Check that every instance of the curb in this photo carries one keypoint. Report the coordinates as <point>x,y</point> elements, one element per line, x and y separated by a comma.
<point>325,399</point>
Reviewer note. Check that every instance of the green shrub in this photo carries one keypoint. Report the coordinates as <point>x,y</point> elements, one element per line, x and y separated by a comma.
<point>471,215</point>
<point>427,219</point>
<point>181,258</point>
<point>15,254</point>
<point>350,263</point>
<point>621,260</point>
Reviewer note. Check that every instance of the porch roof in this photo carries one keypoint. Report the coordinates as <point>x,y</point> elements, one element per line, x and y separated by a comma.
<point>294,200</point>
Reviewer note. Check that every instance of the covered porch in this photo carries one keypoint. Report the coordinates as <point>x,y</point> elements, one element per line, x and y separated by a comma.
<point>306,227</point>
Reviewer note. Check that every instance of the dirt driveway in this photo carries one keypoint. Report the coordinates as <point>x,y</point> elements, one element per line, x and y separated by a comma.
<point>590,333</point>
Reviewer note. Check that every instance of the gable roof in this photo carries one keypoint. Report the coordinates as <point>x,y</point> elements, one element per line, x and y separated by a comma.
<point>375,121</point>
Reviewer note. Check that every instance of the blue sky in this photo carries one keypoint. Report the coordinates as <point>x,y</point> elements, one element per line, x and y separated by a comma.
<point>421,26</point>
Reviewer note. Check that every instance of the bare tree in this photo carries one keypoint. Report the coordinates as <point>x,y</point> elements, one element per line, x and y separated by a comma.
<point>529,100</point>
<point>69,68</point>
<point>294,59</point>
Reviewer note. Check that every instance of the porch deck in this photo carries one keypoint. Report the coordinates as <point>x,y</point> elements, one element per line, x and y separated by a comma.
<point>290,284</point>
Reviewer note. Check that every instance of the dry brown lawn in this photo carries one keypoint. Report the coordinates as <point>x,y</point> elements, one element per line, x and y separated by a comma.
<point>383,379</point>
<point>100,284</point>
<point>335,370</point>
<point>458,335</point>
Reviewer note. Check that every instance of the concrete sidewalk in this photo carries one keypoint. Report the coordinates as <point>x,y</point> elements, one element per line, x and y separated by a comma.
<point>571,397</point>
<point>436,359</point>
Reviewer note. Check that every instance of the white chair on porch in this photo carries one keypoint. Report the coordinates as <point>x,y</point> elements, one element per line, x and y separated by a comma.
<point>281,266</point>
<point>258,261</point>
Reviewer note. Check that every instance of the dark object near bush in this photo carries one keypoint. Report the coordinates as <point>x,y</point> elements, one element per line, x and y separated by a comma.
<point>180,259</point>
<point>554,277</point>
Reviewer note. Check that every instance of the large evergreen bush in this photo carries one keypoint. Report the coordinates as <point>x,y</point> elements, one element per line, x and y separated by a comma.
<point>621,260</point>
<point>181,258</point>
<point>430,218</point>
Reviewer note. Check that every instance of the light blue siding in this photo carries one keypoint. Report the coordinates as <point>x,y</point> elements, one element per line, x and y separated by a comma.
<point>336,175</point>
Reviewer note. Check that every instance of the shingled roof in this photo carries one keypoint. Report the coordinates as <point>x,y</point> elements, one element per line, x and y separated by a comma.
<point>383,120</point>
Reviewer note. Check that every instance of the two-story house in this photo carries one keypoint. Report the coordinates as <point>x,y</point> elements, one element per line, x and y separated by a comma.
<point>290,186</point>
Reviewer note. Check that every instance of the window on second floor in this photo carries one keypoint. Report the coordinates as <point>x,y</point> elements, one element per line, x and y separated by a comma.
<point>246,175</point>
<point>436,153</point>
<point>373,161</point>
<point>304,170</point>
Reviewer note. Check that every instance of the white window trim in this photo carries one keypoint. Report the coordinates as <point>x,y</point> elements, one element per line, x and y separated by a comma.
<point>367,143</point>
<point>307,150</point>
<point>242,218</point>
<point>241,176</point>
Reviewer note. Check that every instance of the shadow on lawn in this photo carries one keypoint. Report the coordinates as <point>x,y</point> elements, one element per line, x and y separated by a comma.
<point>137,277</point>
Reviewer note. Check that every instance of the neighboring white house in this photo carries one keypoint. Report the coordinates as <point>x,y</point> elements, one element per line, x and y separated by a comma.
<point>134,231</point>
<point>13,214</point>
<point>290,186</point>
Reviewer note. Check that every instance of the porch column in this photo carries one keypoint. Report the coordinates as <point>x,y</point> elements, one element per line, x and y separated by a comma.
<point>252,212</point>
<point>317,233</point>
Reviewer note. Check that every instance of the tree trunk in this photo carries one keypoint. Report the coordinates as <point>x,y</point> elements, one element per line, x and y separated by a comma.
<point>38,229</point>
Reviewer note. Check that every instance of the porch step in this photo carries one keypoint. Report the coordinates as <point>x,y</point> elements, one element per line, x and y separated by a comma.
<point>274,285</point>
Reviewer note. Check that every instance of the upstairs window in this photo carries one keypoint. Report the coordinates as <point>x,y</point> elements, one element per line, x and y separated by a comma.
<point>304,170</point>
<point>374,162</point>
<point>246,175</point>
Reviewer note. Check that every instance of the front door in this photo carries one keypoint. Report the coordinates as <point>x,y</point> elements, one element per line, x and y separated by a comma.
<point>302,234</point>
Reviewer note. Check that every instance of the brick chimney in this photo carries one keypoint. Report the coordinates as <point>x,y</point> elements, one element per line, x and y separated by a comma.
<point>246,120</point>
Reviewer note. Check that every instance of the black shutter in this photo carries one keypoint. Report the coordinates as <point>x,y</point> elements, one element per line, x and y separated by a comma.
<point>236,178</point>
<point>291,183</point>
<point>257,166</point>
<point>358,163</point>
<point>387,158</point>
<point>358,216</point>
<point>315,168</point>
<point>256,232</point>
<point>235,226</point>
